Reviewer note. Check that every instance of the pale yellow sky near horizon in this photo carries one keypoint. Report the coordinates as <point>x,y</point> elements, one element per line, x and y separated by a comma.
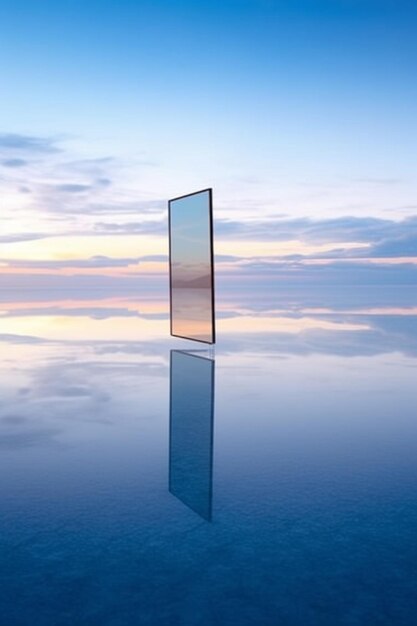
<point>66,248</point>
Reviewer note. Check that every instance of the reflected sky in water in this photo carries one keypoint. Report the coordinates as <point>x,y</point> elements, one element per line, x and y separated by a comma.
<point>191,414</point>
<point>313,512</point>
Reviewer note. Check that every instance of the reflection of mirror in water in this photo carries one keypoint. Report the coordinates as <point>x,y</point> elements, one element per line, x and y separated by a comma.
<point>191,266</point>
<point>191,431</point>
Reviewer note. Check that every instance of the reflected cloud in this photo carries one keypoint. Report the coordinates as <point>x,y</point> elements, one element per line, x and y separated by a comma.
<point>28,438</point>
<point>17,431</point>
<point>55,393</point>
<point>98,313</point>
<point>371,342</point>
<point>77,284</point>
<point>292,322</point>
<point>191,431</point>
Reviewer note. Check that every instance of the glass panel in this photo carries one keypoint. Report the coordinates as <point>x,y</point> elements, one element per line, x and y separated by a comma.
<point>191,266</point>
<point>191,431</point>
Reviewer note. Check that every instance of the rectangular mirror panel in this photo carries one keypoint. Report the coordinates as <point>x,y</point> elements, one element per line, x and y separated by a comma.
<point>191,266</point>
<point>191,431</point>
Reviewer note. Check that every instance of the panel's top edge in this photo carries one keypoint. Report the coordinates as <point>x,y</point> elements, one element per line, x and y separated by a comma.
<point>194,193</point>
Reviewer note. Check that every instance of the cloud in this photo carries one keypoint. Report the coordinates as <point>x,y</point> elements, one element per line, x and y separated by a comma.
<point>276,273</point>
<point>72,188</point>
<point>398,241</point>
<point>69,187</point>
<point>376,334</point>
<point>78,285</point>
<point>371,333</point>
<point>377,339</point>
<point>98,261</point>
<point>297,297</point>
<point>245,273</point>
<point>343,229</point>
<point>93,167</point>
<point>80,192</point>
<point>155,258</point>
<point>14,162</point>
<point>81,199</point>
<point>385,238</point>
<point>135,207</point>
<point>27,143</point>
<point>92,262</point>
<point>68,382</point>
<point>405,246</point>
<point>378,181</point>
<point>22,237</point>
<point>25,339</point>
<point>103,182</point>
<point>147,227</point>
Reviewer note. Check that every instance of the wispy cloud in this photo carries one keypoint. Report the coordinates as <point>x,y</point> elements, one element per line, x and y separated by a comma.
<point>24,339</point>
<point>14,162</point>
<point>402,246</point>
<point>146,227</point>
<point>343,333</point>
<point>20,438</point>
<point>22,237</point>
<point>14,142</point>
<point>77,284</point>
<point>51,182</point>
<point>299,269</point>
<point>71,188</point>
<point>376,238</point>
<point>93,262</point>
<point>79,197</point>
<point>343,229</point>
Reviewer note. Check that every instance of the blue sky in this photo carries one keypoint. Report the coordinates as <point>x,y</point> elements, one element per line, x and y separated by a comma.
<point>289,110</point>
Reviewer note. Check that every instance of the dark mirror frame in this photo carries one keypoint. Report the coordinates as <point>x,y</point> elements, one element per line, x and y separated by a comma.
<point>209,191</point>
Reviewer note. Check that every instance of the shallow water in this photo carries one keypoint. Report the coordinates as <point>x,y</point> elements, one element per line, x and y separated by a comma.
<point>271,480</point>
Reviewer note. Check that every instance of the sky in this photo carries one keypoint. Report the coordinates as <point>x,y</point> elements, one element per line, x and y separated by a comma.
<point>299,114</point>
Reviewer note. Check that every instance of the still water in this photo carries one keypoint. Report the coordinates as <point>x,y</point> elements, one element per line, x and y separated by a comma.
<point>270,480</point>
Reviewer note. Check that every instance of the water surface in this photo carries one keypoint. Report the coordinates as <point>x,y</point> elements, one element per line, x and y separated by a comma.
<point>289,498</point>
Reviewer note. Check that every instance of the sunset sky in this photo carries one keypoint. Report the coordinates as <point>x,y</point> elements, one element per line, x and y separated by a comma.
<point>301,116</point>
